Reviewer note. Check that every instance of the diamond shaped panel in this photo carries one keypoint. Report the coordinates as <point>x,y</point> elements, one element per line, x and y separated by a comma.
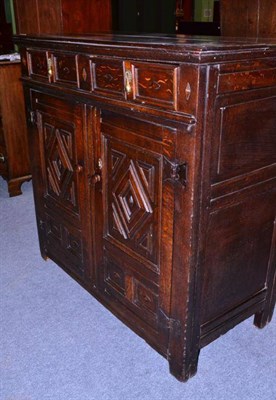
<point>131,201</point>
<point>58,143</point>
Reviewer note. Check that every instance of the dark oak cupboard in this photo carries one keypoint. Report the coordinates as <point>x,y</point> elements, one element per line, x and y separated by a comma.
<point>153,162</point>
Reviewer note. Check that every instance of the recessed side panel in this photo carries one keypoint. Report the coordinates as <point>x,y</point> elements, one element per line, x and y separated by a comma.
<point>239,243</point>
<point>245,138</point>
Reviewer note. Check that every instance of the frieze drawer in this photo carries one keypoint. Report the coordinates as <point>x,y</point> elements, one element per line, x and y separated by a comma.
<point>37,64</point>
<point>108,77</point>
<point>155,84</point>
<point>159,85</point>
<point>64,69</point>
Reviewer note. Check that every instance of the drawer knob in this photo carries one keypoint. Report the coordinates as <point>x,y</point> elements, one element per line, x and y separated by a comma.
<point>2,158</point>
<point>100,164</point>
<point>79,168</point>
<point>96,178</point>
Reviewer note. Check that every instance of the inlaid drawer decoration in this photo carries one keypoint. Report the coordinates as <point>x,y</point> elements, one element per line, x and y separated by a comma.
<point>38,64</point>
<point>108,77</point>
<point>244,80</point>
<point>155,84</point>
<point>65,70</point>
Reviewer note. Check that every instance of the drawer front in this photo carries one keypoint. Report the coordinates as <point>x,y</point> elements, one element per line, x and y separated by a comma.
<point>65,69</point>
<point>121,282</point>
<point>38,64</point>
<point>108,77</point>
<point>64,241</point>
<point>155,84</point>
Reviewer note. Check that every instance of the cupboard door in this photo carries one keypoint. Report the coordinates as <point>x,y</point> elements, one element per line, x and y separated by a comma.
<point>138,204</point>
<point>62,198</point>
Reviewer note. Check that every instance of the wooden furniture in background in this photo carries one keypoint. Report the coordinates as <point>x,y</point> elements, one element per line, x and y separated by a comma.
<point>14,154</point>
<point>63,16</point>
<point>248,18</point>
<point>154,172</point>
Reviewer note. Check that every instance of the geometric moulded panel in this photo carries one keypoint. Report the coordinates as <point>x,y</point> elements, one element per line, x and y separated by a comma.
<point>132,196</point>
<point>59,162</point>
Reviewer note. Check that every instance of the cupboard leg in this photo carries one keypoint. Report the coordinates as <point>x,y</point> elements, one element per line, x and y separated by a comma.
<point>264,317</point>
<point>44,256</point>
<point>183,372</point>
<point>43,251</point>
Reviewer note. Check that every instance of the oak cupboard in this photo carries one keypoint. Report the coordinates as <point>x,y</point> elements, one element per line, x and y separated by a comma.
<point>153,162</point>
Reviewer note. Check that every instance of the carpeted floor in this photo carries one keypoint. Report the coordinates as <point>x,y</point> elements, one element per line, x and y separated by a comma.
<point>59,343</point>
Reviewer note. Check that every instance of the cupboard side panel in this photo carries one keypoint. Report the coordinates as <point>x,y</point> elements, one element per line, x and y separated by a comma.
<point>242,210</point>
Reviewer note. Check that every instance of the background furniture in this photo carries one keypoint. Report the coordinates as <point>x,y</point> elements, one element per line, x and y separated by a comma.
<point>154,175</point>
<point>250,18</point>
<point>63,16</point>
<point>14,154</point>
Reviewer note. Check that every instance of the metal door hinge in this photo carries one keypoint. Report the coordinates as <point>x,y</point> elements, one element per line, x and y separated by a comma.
<point>33,117</point>
<point>41,224</point>
<point>176,172</point>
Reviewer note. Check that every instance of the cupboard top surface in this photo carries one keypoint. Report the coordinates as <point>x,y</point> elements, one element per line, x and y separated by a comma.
<point>200,48</point>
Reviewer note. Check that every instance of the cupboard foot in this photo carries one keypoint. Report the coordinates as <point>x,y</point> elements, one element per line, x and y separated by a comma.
<point>185,371</point>
<point>14,185</point>
<point>263,318</point>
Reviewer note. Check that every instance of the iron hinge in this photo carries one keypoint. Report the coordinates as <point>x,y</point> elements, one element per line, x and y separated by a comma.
<point>33,117</point>
<point>175,172</point>
<point>41,224</point>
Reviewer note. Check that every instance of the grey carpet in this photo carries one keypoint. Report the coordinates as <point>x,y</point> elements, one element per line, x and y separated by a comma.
<point>59,343</point>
